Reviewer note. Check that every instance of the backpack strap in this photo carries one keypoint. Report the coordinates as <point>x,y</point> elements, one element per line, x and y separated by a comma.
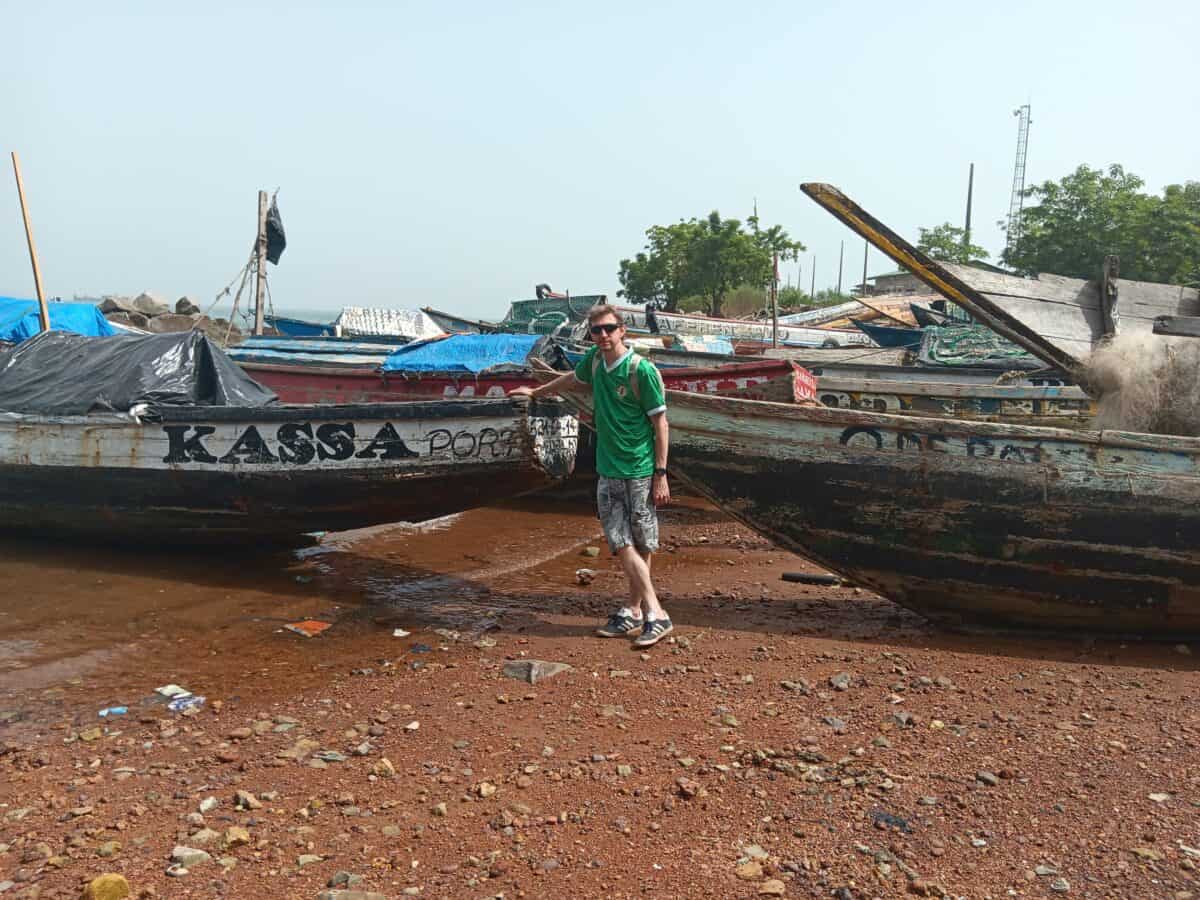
<point>635,366</point>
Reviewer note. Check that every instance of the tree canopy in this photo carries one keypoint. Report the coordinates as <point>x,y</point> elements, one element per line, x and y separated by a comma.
<point>948,243</point>
<point>706,257</point>
<point>1093,213</point>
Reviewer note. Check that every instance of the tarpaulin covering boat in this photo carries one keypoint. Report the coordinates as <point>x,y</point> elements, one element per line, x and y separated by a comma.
<point>19,319</point>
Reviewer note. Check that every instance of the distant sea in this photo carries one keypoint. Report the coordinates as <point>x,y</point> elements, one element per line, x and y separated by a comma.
<point>310,314</point>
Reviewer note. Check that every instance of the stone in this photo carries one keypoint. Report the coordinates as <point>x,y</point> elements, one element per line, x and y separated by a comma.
<point>1183,649</point>
<point>754,851</point>
<point>235,836</point>
<point>307,859</point>
<point>486,789</point>
<point>585,576</point>
<point>203,837</point>
<point>749,871</point>
<point>189,856</point>
<point>772,888</point>
<point>533,670</point>
<point>840,681</point>
<point>117,305</point>
<point>1147,853</point>
<point>186,306</point>
<point>591,551</point>
<point>903,718</point>
<point>1160,797</point>
<point>149,305</point>
<point>1045,871</point>
<point>351,895</point>
<point>109,886</point>
<point>245,800</point>
<point>170,323</point>
<point>440,810</point>
<point>987,778</point>
<point>1060,885</point>
<point>384,768</point>
<point>208,804</point>
<point>343,880</point>
<point>108,849</point>
<point>130,319</point>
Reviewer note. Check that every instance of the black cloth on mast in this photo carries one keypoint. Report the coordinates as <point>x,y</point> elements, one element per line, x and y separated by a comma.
<point>276,241</point>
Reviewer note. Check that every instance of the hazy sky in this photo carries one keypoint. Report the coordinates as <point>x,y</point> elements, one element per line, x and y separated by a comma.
<point>455,154</point>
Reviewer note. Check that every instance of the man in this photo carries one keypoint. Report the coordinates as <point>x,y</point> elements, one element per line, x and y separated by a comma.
<point>630,412</point>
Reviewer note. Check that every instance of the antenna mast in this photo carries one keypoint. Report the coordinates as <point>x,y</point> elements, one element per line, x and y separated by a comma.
<point>1017,203</point>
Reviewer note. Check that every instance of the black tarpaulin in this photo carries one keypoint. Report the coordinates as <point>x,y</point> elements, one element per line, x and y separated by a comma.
<point>64,374</point>
<point>276,241</point>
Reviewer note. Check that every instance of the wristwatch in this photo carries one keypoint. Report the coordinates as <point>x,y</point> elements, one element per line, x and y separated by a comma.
<point>660,471</point>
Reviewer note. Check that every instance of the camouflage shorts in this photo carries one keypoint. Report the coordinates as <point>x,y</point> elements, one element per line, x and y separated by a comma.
<point>627,513</point>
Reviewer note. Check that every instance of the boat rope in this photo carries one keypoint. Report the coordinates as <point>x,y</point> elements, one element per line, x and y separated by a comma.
<point>224,292</point>
<point>237,298</point>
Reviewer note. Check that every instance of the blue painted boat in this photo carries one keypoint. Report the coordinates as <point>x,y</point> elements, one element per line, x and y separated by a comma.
<point>891,335</point>
<point>299,327</point>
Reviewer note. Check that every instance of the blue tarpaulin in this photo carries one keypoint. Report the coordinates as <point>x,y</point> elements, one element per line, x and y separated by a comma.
<point>472,353</point>
<point>19,319</point>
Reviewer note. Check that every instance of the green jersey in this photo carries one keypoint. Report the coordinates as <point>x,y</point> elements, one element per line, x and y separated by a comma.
<point>624,435</point>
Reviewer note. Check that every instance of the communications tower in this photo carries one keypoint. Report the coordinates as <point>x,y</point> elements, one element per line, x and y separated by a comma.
<point>1017,202</point>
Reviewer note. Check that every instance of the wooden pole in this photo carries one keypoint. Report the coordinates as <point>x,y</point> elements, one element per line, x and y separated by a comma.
<point>841,253</point>
<point>43,310</point>
<point>866,248</point>
<point>261,282</point>
<point>775,302</point>
<point>967,226</point>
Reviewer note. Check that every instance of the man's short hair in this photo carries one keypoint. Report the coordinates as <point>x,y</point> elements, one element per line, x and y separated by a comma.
<point>600,310</point>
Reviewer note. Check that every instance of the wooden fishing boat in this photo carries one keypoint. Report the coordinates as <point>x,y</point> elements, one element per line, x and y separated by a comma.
<point>300,328</point>
<point>967,523</point>
<point>927,317</point>
<point>202,474</point>
<point>741,330</point>
<point>454,324</point>
<point>365,384</point>
<point>891,335</point>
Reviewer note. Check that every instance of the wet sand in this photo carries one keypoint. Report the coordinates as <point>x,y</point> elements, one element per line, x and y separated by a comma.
<point>811,740</point>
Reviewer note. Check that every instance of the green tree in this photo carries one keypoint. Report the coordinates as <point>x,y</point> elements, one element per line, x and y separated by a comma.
<point>792,297</point>
<point>707,257</point>
<point>1093,213</point>
<point>660,273</point>
<point>948,243</point>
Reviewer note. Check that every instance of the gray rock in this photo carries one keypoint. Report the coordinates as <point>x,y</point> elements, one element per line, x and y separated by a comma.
<point>533,670</point>
<point>307,859</point>
<point>149,305</point>
<point>189,856</point>
<point>1045,871</point>
<point>351,895</point>
<point>903,718</point>
<point>185,306</point>
<point>169,323</point>
<point>131,319</point>
<point>987,778</point>
<point>838,725</point>
<point>330,756</point>
<point>1060,885</point>
<point>840,681</point>
<point>117,304</point>
<point>343,880</point>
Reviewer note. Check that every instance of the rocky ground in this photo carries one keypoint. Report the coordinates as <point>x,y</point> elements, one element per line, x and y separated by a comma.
<point>791,740</point>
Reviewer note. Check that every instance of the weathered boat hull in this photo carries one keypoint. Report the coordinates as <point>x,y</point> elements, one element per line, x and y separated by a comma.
<point>218,475</point>
<point>965,523</point>
<point>741,330</point>
<point>891,335</point>
<point>327,384</point>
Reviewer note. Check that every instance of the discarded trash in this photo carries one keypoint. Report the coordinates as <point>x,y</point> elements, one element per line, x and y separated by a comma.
<point>172,690</point>
<point>421,648</point>
<point>448,633</point>
<point>308,628</point>
<point>533,670</point>
<point>303,579</point>
<point>807,578</point>
<point>113,711</point>
<point>591,551</point>
<point>400,632</point>
<point>186,702</point>
<point>585,576</point>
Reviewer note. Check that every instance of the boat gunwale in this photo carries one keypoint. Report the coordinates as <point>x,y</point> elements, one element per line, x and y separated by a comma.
<point>733,406</point>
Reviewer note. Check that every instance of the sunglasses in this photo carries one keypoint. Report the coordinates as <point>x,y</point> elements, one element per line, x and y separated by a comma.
<point>607,328</point>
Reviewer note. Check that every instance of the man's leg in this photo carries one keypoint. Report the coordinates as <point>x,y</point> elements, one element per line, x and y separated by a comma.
<point>641,589</point>
<point>614,516</point>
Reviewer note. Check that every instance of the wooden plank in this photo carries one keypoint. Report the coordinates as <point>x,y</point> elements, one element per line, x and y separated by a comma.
<point>1178,326</point>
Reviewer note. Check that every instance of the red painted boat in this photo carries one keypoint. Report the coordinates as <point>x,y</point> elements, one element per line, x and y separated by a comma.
<point>779,380</point>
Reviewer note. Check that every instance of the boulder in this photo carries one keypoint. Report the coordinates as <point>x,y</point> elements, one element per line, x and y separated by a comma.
<point>149,305</point>
<point>185,306</point>
<point>117,304</point>
<point>171,322</point>
<point>107,887</point>
<point>132,319</point>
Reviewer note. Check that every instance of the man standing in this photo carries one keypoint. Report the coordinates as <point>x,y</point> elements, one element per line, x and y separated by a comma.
<point>630,413</point>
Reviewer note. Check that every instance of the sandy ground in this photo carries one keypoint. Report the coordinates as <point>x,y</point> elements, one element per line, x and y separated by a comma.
<point>789,741</point>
